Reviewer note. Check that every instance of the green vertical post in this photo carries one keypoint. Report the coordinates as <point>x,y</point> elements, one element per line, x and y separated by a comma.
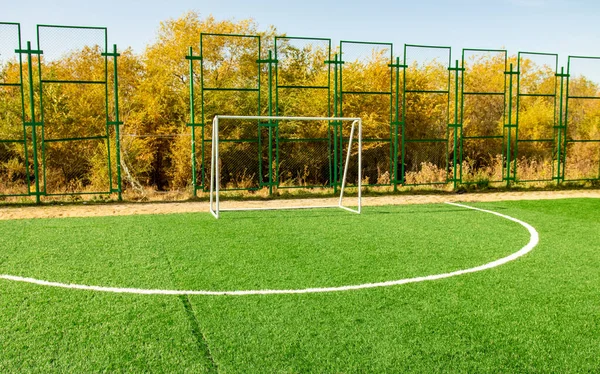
<point>42,115</point>
<point>560,126</point>
<point>335,129</point>
<point>329,111</point>
<point>396,119</point>
<point>509,125</point>
<point>403,122</point>
<point>454,159</point>
<point>108,122</point>
<point>203,119</point>
<point>276,104</point>
<point>21,89</point>
<point>338,125</point>
<point>192,124</point>
<point>396,122</point>
<point>456,125</point>
<point>462,116</point>
<point>33,122</point>
<point>336,136</point>
<point>566,119</point>
<point>258,113</point>
<point>269,61</point>
<point>393,132</point>
<point>270,107</point>
<point>193,121</point>
<point>117,123</point>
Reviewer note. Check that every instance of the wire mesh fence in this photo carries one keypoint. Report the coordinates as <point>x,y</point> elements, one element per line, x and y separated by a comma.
<point>293,154</point>
<point>487,118</point>
<point>241,155</point>
<point>14,166</point>
<point>483,115</point>
<point>425,136</point>
<point>302,78</point>
<point>230,83</point>
<point>366,91</point>
<point>304,154</point>
<point>76,139</point>
<point>582,161</point>
<point>582,143</point>
<point>10,61</point>
<point>538,139</point>
<point>485,166</point>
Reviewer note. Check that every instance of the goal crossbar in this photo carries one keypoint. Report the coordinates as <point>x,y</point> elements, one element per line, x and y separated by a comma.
<point>356,128</point>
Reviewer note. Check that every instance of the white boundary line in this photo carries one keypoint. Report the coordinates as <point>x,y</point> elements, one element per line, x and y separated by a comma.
<point>533,241</point>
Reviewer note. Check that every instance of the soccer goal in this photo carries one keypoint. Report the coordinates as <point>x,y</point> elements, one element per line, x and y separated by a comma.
<point>246,134</point>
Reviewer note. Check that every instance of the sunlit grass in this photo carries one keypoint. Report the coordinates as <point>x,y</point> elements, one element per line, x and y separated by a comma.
<point>539,313</point>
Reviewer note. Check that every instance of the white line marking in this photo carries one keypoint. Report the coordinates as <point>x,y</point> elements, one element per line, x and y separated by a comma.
<point>533,241</point>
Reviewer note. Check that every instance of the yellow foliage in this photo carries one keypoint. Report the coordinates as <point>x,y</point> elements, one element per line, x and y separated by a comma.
<point>154,104</point>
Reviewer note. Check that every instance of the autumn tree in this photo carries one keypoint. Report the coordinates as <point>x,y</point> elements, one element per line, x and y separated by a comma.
<point>160,104</point>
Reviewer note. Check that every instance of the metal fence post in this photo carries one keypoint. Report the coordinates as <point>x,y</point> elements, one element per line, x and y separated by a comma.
<point>509,126</point>
<point>396,122</point>
<point>117,122</point>
<point>193,123</point>
<point>456,126</point>
<point>32,121</point>
<point>560,128</point>
<point>270,61</point>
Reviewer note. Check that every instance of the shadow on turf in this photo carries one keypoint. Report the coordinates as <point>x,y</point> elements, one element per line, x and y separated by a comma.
<point>322,213</point>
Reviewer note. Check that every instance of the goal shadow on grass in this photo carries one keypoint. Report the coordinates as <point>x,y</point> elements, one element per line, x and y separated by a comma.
<point>333,212</point>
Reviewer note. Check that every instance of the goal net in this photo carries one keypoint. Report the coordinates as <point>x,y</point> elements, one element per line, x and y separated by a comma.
<point>282,152</point>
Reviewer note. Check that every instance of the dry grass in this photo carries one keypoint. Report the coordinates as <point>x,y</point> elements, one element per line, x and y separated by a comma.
<point>534,173</point>
<point>429,173</point>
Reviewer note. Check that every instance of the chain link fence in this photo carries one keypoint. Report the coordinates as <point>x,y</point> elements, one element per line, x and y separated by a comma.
<point>425,137</point>
<point>76,139</point>
<point>582,135</point>
<point>488,118</point>
<point>537,110</point>
<point>483,116</point>
<point>14,162</point>
<point>366,89</point>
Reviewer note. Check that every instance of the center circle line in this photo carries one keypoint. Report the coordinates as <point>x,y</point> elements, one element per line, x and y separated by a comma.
<point>533,242</point>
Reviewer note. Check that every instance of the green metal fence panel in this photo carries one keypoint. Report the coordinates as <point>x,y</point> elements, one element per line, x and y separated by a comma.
<point>489,119</point>
<point>407,105</point>
<point>230,84</point>
<point>303,88</point>
<point>425,115</point>
<point>267,130</point>
<point>366,90</point>
<point>483,116</point>
<point>582,120</point>
<point>78,128</point>
<point>15,172</point>
<point>193,124</point>
<point>538,154</point>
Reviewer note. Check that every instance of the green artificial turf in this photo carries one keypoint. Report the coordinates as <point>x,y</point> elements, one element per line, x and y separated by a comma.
<point>257,250</point>
<point>538,313</point>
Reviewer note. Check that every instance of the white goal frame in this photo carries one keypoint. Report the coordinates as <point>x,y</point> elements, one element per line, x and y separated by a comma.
<point>215,175</point>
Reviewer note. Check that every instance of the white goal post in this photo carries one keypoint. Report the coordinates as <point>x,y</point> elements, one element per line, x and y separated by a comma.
<point>356,129</point>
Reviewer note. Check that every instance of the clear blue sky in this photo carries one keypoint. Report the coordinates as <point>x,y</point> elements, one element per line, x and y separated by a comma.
<point>559,26</point>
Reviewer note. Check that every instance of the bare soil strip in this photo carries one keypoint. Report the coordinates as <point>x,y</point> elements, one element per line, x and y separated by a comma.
<point>124,209</point>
